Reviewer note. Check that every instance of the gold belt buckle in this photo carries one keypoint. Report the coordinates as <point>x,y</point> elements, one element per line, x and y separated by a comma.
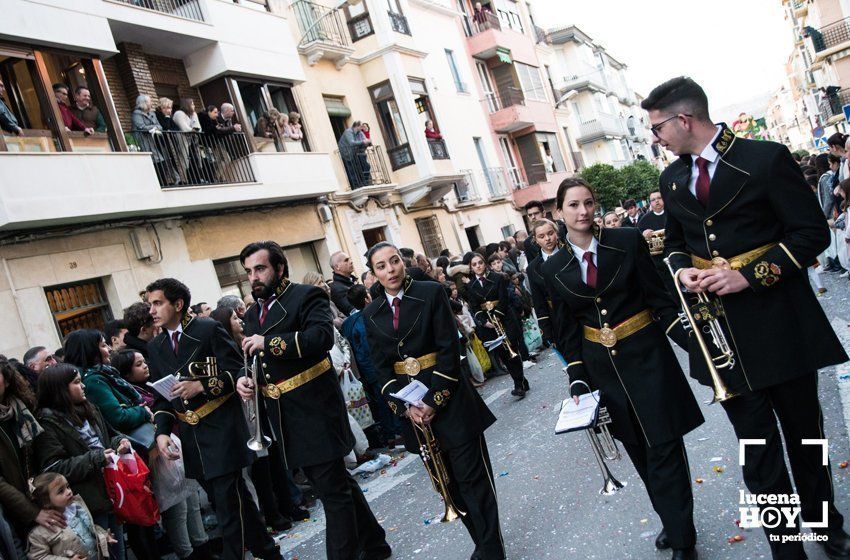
<point>721,263</point>
<point>192,417</point>
<point>273,391</point>
<point>412,366</point>
<point>607,337</point>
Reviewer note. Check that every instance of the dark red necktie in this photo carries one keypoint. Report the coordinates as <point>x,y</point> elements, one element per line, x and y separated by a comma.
<point>264,311</point>
<point>703,181</point>
<point>175,341</point>
<point>591,269</point>
<point>396,307</point>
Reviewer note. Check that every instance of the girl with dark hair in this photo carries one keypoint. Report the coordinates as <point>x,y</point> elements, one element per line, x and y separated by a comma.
<point>76,444</point>
<point>133,369</point>
<point>612,314</point>
<point>231,323</point>
<point>119,403</point>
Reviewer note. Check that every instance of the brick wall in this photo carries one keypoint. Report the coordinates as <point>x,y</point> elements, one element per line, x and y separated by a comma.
<point>171,71</point>
<point>123,105</point>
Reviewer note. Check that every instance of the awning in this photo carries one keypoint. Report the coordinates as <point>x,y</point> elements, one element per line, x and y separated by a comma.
<point>336,108</point>
<point>504,55</point>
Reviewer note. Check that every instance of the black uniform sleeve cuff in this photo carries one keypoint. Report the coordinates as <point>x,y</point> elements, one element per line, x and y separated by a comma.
<point>219,385</point>
<point>766,271</point>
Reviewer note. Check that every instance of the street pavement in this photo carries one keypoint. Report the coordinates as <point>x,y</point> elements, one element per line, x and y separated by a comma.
<point>548,485</point>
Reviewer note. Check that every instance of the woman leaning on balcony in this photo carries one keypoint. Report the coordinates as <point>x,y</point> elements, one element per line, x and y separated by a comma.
<point>148,135</point>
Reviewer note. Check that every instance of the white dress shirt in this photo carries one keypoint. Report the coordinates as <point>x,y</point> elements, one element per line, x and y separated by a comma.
<point>390,298</point>
<point>711,155</point>
<point>179,329</point>
<point>546,256</point>
<point>579,254</point>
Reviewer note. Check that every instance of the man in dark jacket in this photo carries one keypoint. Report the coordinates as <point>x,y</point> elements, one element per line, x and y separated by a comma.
<point>743,226</point>
<point>343,279</point>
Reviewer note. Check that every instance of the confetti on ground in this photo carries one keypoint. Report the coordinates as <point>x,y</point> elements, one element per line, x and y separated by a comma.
<point>699,481</point>
<point>503,473</point>
<point>842,465</point>
<point>716,459</point>
<point>718,468</point>
<point>703,439</point>
<point>736,538</point>
<point>647,534</point>
<point>644,520</point>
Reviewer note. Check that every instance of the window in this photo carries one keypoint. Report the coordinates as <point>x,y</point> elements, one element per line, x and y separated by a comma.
<point>529,79</point>
<point>357,18</point>
<point>507,231</point>
<point>487,86</point>
<point>552,159</point>
<point>513,171</point>
<point>392,125</point>
<point>231,275</point>
<point>459,85</point>
<point>508,11</point>
<point>398,21</point>
<point>429,233</point>
<point>81,305</point>
<point>258,99</point>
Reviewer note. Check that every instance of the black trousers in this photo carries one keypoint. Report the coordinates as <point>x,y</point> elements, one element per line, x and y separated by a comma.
<point>241,525</point>
<point>513,365</point>
<point>473,491</point>
<point>753,414</point>
<point>351,526</point>
<point>665,473</point>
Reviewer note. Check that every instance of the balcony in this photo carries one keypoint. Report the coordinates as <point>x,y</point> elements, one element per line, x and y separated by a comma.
<point>323,34</point>
<point>438,149</point>
<point>603,126</point>
<point>832,107</point>
<point>466,190</point>
<point>86,185</point>
<point>487,39</point>
<point>510,111</point>
<point>365,169</point>
<point>400,156</point>
<point>189,9</point>
<point>829,39</point>
<point>587,78</point>
<point>398,22</point>
<point>546,188</point>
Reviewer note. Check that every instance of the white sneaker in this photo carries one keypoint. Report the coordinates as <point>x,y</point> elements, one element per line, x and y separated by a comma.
<point>527,364</point>
<point>844,274</point>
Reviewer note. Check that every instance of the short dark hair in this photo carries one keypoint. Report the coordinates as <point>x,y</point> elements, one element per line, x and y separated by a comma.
<point>364,275</point>
<point>113,328</point>
<point>834,158</point>
<point>837,139</point>
<point>356,296</point>
<point>173,290</point>
<point>137,317</point>
<point>377,247</point>
<point>534,204</point>
<point>82,348</point>
<point>198,307</point>
<point>569,183</point>
<point>445,253</point>
<point>493,258</point>
<point>30,354</point>
<point>406,252</point>
<point>504,246</point>
<point>276,256</point>
<point>629,203</point>
<point>78,89</point>
<point>58,85</point>
<point>680,94</point>
<point>812,180</point>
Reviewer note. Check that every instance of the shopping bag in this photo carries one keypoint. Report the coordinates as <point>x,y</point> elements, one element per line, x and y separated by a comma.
<point>531,334</point>
<point>480,353</point>
<point>474,367</point>
<point>355,399</point>
<point>168,478</point>
<point>129,488</point>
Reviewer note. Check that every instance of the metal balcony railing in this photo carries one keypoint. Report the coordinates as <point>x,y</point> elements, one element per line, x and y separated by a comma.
<point>465,189</point>
<point>603,125</point>
<point>400,156</point>
<point>829,36</point>
<point>190,9</point>
<point>490,181</point>
<point>365,168</point>
<point>320,24</point>
<point>485,21</point>
<point>832,105</point>
<point>438,148</point>
<point>505,98</point>
<point>194,158</point>
<point>399,23</point>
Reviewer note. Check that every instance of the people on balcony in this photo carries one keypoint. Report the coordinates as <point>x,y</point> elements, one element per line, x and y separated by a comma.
<point>148,136</point>
<point>70,120</point>
<point>352,149</point>
<point>186,120</point>
<point>479,15</point>
<point>185,117</point>
<point>225,122</point>
<point>430,132</point>
<point>8,121</point>
<point>365,131</point>
<point>295,130</point>
<point>85,110</point>
<point>163,114</point>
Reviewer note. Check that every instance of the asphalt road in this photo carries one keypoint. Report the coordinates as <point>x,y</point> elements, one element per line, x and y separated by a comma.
<point>548,485</point>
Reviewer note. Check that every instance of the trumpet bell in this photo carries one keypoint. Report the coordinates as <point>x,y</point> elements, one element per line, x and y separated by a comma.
<point>612,486</point>
<point>722,394</point>
<point>258,444</point>
<point>450,515</point>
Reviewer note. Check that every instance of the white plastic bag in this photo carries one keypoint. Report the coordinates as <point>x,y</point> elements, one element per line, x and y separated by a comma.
<point>168,477</point>
<point>361,443</point>
<point>355,399</point>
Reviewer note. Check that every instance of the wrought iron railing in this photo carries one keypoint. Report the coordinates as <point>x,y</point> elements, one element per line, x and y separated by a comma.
<point>399,22</point>
<point>365,168</point>
<point>195,158</point>
<point>190,9</point>
<point>484,21</point>
<point>438,148</point>
<point>505,98</point>
<point>830,35</point>
<point>400,156</point>
<point>320,24</point>
<point>833,104</point>
<point>465,189</point>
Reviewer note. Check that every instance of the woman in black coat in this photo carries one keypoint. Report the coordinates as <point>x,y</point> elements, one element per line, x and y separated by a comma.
<point>487,288</point>
<point>612,315</point>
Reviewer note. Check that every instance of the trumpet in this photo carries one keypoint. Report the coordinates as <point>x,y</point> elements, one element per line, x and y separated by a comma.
<point>202,370</point>
<point>489,307</point>
<point>258,441</point>
<point>703,318</point>
<point>604,448</point>
<point>432,458</point>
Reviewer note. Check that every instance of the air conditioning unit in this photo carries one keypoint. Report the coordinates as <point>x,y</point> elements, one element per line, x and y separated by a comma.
<point>143,243</point>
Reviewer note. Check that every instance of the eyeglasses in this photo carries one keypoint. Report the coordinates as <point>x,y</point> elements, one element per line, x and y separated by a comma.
<point>656,128</point>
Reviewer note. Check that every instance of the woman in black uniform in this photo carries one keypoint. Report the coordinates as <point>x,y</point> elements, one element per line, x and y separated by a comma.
<point>612,317</point>
<point>487,294</point>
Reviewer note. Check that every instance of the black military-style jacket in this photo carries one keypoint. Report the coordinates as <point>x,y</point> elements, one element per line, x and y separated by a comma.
<point>426,326</point>
<point>496,286</point>
<point>640,372</point>
<point>216,445</point>
<point>758,197</point>
<point>311,420</point>
<point>540,297</point>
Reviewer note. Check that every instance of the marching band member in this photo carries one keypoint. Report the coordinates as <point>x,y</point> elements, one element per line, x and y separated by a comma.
<point>655,220</point>
<point>209,416</point>
<point>487,294</point>
<point>289,329</point>
<point>612,315</point>
<point>743,225</point>
<point>412,334</point>
<point>545,234</point>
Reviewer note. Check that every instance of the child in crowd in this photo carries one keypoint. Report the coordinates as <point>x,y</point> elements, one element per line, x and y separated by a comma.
<point>80,539</point>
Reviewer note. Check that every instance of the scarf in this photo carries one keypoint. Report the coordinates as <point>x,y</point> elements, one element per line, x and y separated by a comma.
<point>26,427</point>
<point>118,383</point>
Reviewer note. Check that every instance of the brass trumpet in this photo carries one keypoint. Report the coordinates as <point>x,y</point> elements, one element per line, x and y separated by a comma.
<point>432,458</point>
<point>489,307</point>
<point>258,441</point>
<point>202,370</point>
<point>703,318</point>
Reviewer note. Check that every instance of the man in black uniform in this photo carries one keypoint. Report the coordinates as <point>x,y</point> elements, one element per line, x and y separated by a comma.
<point>545,234</point>
<point>535,211</point>
<point>652,221</point>
<point>412,335</point>
<point>209,414</point>
<point>743,225</point>
<point>290,331</point>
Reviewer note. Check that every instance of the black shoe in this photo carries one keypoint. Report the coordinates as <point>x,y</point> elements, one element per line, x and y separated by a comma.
<point>299,514</point>
<point>685,554</point>
<point>518,393</point>
<point>837,544</point>
<point>525,386</point>
<point>378,553</point>
<point>281,525</point>
<point>661,542</point>
<point>203,552</point>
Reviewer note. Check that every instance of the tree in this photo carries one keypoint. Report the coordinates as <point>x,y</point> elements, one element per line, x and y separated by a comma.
<point>607,182</point>
<point>639,179</point>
